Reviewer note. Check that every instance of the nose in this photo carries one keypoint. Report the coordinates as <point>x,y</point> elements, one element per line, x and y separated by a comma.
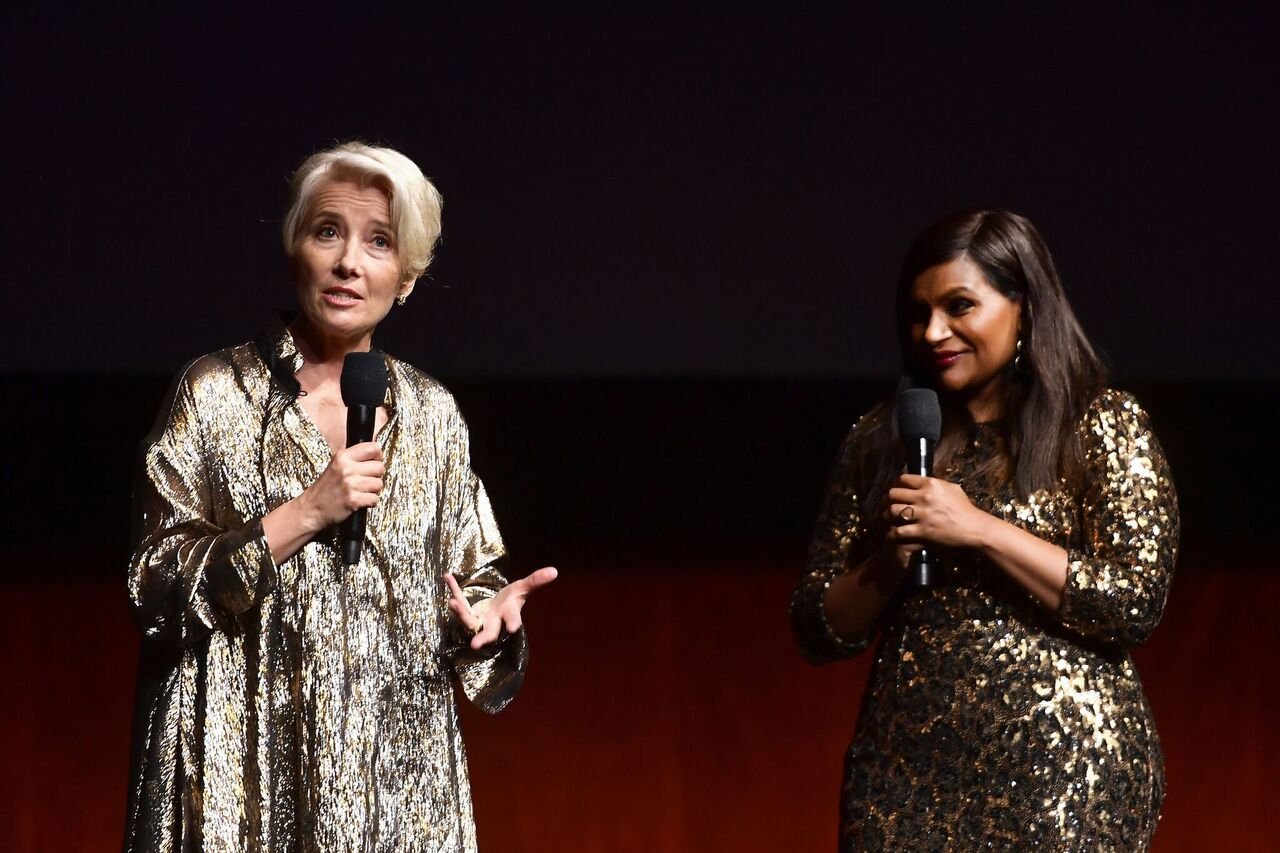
<point>348,264</point>
<point>937,330</point>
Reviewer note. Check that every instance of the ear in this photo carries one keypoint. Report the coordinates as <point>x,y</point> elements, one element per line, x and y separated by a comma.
<point>406,287</point>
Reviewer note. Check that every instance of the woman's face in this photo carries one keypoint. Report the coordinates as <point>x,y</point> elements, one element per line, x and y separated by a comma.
<point>346,266</point>
<point>965,331</point>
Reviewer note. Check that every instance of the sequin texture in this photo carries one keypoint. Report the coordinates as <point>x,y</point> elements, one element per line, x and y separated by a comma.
<point>310,705</point>
<point>989,722</point>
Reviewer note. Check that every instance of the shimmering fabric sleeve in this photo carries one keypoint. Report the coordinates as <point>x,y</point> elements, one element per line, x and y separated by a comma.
<point>492,676</point>
<point>1117,581</point>
<point>840,540</point>
<point>187,572</point>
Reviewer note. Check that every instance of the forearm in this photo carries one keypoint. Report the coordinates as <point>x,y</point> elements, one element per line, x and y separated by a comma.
<point>854,600</point>
<point>182,575</point>
<point>1039,566</point>
<point>290,526</point>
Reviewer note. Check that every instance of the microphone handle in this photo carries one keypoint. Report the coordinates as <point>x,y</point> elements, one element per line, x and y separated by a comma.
<point>920,570</point>
<point>360,423</point>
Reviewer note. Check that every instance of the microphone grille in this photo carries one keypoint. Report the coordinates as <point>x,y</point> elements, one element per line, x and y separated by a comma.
<point>364,379</point>
<point>919,415</point>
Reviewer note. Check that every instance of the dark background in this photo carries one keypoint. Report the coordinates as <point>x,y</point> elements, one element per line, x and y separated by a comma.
<point>663,292</point>
<point>670,234</point>
<point>653,191</point>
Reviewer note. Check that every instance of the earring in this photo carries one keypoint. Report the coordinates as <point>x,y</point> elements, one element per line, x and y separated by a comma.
<point>1020,361</point>
<point>404,297</point>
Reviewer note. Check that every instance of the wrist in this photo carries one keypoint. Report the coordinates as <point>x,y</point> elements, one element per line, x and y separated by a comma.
<point>983,532</point>
<point>307,515</point>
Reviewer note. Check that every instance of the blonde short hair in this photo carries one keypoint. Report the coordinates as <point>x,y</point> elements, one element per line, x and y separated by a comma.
<point>415,202</point>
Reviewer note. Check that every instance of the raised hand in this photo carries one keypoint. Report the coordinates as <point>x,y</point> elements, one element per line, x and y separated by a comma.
<point>487,619</point>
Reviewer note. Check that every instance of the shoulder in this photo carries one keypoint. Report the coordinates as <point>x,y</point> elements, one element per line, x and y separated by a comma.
<point>421,391</point>
<point>211,373</point>
<point>1114,410</point>
<point>866,442</point>
<point>1117,427</point>
<point>870,426</point>
<point>203,385</point>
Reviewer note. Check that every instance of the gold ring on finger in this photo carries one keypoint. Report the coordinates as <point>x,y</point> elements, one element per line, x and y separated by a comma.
<point>907,513</point>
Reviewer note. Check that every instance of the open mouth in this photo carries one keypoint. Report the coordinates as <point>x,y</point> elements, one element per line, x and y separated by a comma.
<point>340,296</point>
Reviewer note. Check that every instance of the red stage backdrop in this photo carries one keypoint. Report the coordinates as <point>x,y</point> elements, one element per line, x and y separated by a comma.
<point>666,709</point>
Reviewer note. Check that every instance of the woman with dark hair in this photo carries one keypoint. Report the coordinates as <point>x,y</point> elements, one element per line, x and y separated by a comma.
<point>1003,709</point>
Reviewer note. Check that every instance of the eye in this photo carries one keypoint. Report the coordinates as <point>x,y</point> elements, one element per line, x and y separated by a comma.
<point>326,232</point>
<point>382,241</point>
<point>958,306</point>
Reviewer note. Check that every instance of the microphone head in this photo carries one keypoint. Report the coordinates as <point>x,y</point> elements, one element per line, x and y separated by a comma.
<point>919,415</point>
<point>364,379</point>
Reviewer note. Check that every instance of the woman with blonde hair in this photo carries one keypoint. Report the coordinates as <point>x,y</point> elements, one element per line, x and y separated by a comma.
<point>289,698</point>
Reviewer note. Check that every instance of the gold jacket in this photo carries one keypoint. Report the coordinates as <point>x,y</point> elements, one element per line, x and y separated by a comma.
<point>310,705</point>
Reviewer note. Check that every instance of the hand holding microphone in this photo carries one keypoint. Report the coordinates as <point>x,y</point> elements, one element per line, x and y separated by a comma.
<point>920,425</point>
<point>349,484</point>
<point>923,509</point>
<point>364,387</point>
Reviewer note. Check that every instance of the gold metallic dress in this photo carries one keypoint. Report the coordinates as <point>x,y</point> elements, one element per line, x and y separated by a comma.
<point>989,722</point>
<point>307,706</point>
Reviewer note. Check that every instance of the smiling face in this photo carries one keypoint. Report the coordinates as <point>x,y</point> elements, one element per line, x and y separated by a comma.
<point>966,332</point>
<point>346,266</point>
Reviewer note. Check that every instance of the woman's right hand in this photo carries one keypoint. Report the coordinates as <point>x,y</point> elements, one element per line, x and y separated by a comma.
<point>898,545</point>
<point>352,481</point>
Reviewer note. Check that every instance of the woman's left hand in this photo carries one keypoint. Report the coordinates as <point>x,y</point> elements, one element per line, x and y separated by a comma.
<point>925,509</point>
<point>486,619</point>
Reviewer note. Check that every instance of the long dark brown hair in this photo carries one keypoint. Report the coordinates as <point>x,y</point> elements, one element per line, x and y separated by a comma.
<point>1045,395</point>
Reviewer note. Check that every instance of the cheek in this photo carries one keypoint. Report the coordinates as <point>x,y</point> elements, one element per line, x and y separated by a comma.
<point>1000,334</point>
<point>389,277</point>
<point>308,267</point>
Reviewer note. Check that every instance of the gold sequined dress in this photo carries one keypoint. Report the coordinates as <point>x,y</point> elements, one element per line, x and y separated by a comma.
<point>307,706</point>
<point>989,722</point>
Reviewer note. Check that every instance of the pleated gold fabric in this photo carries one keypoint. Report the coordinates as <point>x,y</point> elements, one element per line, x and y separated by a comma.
<point>307,706</point>
<point>988,722</point>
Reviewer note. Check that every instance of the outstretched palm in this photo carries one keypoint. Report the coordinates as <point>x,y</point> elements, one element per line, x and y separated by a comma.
<point>487,619</point>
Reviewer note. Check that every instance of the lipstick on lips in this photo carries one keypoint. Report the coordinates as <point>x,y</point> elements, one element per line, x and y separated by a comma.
<point>945,358</point>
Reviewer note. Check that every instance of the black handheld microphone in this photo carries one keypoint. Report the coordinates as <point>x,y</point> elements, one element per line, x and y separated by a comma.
<point>364,386</point>
<point>920,425</point>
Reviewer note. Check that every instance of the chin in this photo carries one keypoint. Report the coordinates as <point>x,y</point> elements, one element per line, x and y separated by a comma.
<point>950,385</point>
<point>344,324</point>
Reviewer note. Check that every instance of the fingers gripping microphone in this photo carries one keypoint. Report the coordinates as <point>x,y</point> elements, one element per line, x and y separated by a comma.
<point>364,386</point>
<point>920,425</point>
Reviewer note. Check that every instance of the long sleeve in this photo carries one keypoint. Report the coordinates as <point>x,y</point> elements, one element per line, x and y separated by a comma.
<point>311,704</point>
<point>187,570</point>
<point>1118,579</point>
<point>490,677</point>
<point>841,539</point>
